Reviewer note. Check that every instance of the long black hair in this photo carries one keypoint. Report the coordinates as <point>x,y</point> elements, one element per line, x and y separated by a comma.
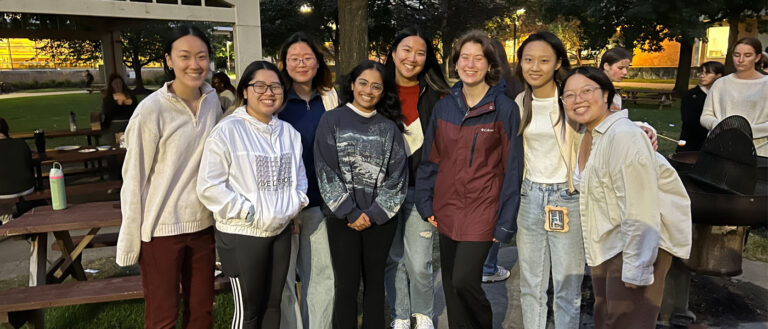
<point>180,32</point>
<point>323,80</point>
<point>560,54</point>
<point>389,103</point>
<point>432,74</point>
<point>249,73</point>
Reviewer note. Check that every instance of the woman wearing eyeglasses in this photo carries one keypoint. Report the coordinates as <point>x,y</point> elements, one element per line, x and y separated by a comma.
<point>363,176</point>
<point>252,178</point>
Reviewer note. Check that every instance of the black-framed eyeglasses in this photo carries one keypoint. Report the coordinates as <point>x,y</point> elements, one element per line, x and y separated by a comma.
<point>260,87</point>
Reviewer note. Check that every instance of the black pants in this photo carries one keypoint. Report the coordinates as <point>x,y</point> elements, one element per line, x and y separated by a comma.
<point>257,268</point>
<point>351,252</point>
<point>462,268</point>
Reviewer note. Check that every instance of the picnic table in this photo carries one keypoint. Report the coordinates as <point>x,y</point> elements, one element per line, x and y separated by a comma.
<point>81,154</point>
<point>658,96</point>
<point>88,132</point>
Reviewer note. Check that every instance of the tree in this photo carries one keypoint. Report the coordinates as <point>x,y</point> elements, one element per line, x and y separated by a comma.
<point>71,51</point>
<point>353,34</point>
<point>281,18</point>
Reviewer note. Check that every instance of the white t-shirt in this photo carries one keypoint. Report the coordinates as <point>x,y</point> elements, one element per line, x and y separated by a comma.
<point>543,162</point>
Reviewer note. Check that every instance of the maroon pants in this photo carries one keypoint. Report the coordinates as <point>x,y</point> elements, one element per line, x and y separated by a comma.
<point>170,262</point>
<point>617,306</point>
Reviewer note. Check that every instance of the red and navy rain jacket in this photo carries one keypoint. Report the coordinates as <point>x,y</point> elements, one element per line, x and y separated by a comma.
<point>472,167</point>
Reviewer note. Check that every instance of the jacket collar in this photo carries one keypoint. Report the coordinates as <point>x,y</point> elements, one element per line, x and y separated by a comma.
<point>484,105</point>
<point>273,126</point>
<point>610,120</point>
<point>292,95</point>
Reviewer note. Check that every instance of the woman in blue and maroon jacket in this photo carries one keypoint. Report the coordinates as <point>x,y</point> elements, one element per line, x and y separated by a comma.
<point>468,182</point>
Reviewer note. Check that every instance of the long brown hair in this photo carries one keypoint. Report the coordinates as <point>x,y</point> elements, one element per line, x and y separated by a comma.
<point>565,65</point>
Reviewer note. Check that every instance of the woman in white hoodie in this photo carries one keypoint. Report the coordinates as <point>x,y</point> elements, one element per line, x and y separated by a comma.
<point>252,178</point>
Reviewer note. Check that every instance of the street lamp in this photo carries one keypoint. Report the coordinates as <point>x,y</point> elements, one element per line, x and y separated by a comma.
<point>517,14</point>
<point>305,8</point>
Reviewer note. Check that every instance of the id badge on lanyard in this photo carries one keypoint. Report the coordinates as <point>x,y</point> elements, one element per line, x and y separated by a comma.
<point>556,219</point>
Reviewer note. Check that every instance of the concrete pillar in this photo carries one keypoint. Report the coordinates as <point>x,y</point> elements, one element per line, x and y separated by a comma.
<point>247,34</point>
<point>112,52</point>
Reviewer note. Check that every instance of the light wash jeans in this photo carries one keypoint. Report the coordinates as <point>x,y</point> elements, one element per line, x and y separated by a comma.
<point>315,270</point>
<point>541,251</point>
<point>290,314</point>
<point>408,275</point>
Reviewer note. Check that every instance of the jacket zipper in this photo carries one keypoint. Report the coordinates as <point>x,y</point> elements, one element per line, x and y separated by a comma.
<point>472,151</point>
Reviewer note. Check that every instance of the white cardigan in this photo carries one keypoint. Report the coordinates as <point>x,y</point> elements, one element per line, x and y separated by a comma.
<point>164,144</point>
<point>252,175</point>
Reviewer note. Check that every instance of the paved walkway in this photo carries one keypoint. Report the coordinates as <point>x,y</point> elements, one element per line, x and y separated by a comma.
<point>48,93</point>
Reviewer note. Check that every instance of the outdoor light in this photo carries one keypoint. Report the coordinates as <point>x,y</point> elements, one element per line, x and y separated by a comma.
<point>305,8</point>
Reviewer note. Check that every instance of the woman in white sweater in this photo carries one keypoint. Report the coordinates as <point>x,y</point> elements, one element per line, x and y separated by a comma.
<point>165,227</point>
<point>252,178</point>
<point>743,93</point>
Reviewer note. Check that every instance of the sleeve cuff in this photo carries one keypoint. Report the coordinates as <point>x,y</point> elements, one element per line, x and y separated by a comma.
<point>641,276</point>
<point>354,215</point>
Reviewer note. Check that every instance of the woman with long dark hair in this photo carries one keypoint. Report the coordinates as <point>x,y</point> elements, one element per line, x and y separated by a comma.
<point>362,172</point>
<point>468,182</point>
<point>166,229</point>
<point>420,84</point>
<point>252,178</point>
<point>309,93</point>
<point>117,106</point>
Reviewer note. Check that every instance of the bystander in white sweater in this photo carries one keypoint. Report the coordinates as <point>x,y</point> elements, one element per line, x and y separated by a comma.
<point>252,175</point>
<point>164,141</point>
<point>748,98</point>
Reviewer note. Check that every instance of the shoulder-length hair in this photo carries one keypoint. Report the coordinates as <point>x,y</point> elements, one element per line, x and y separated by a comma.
<point>111,90</point>
<point>389,103</point>
<point>755,44</point>
<point>432,74</point>
<point>323,79</point>
<point>489,52</point>
<point>560,54</point>
<point>249,73</point>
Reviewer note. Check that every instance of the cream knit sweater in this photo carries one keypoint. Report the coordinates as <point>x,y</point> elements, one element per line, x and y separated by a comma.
<point>164,145</point>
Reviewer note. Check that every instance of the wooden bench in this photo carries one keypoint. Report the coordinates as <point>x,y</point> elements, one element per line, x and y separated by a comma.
<point>19,305</point>
<point>98,87</point>
<point>79,190</point>
<point>653,96</point>
<point>99,241</point>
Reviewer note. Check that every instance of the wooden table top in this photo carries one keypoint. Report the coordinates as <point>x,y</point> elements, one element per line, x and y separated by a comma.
<point>75,217</point>
<point>76,155</point>
<point>59,133</point>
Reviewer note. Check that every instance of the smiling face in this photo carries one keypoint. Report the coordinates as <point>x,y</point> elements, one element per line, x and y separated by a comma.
<point>744,58</point>
<point>409,57</point>
<point>584,101</point>
<point>539,63</point>
<point>301,63</point>
<point>617,71</point>
<point>263,105</point>
<point>189,61</point>
<point>472,65</point>
<point>367,90</point>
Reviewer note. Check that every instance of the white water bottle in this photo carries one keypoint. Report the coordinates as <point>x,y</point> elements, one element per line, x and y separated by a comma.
<point>58,193</point>
<point>72,122</point>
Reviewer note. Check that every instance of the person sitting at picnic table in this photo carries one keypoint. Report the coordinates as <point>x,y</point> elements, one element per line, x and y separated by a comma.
<point>117,106</point>
<point>743,93</point>
<point>693,104</point>
<point>16,174</point>
<point>223,85</point>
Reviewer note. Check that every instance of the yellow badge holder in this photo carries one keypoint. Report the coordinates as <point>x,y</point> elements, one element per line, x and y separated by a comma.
<point>557,219</point>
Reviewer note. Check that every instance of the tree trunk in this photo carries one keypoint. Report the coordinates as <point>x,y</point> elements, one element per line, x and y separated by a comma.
<point>684,66</point>
<point>138,82</point>
<point>353,35</point>
<point>733,36</point>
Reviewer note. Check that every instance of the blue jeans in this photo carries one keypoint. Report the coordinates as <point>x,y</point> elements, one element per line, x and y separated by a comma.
<point>408,275</point>
<point>489,268</point>
<point>315,270</point>
<point>542,252</point>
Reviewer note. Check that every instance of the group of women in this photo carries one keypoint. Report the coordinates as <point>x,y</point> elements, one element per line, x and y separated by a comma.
<point>358,188</point>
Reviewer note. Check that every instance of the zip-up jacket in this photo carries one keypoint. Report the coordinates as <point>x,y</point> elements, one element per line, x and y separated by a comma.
<point>428,97</point>
<point>472,167</point>
<point>252,176</point>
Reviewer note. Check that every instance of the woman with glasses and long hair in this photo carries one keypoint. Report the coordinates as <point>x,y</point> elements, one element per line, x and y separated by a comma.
<point>252,178</point>
<point>468,182</point>
<point>420,84</point>
<point>165,228</point>
<point>309,94</point>
<point>743,93</point>
<point>362,171</point>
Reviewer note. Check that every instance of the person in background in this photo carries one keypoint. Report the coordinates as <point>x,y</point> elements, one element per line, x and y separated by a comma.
<point>223,85</point>
<point>165,227</point>
<point>252,178</point>
<point>363,177</point>
<point>692,105</point>
<point>635,212</point>
<point>88,79</point>
<point>16,174</point>
<point>743,93</point>
<point>468,182</point>
<point>420,84</point>
<point>117,106</point>
<point>309,93</point>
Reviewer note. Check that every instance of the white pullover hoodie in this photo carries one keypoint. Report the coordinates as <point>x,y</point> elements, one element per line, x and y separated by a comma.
<point>252,175</point>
